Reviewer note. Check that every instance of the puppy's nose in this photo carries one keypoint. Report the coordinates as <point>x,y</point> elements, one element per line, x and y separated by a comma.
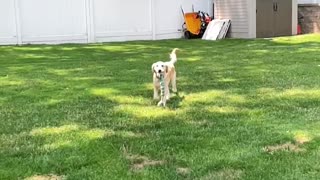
<point>159,71</point>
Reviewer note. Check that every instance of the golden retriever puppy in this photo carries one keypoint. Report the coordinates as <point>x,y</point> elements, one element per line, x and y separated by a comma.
<point>167,70</point>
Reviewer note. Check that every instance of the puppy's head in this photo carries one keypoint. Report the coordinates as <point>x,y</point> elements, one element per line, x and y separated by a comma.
<point>159,68</point>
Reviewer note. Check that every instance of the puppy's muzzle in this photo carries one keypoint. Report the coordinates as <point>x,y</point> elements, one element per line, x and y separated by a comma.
<point>158,73</point>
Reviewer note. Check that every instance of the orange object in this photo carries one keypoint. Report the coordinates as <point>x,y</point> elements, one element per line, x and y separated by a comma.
<point>193,23</point>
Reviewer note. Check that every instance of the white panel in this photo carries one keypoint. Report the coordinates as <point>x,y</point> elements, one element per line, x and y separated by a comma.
<point>216,29</point>
<point>124,19</point>
<point>53,20</point>
<point>294,17</point>
<point>8,33</point>
<point>252,19</point>
<point>308,1</point>
<point>168,16</point>
<point>59,21</point>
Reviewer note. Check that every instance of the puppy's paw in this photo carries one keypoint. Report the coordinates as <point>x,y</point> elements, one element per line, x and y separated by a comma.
<point>161,103</point>
<point>174,90</point>
<point>168,96</point>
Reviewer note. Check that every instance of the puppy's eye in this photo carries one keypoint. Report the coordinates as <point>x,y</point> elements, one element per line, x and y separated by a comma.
<point>161,65</point>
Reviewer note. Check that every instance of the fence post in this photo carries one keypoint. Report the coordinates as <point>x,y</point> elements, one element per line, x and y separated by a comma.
<point>17,21</point>
<point>153,19</point>
<point>90,21</point>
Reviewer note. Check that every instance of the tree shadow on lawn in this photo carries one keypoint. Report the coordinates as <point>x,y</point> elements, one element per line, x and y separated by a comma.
<point>254,70</point>
<point>225,69</point>
<point>175,101</point>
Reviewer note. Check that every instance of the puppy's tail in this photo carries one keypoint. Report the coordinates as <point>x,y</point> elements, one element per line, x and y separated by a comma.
<point>173,55</point>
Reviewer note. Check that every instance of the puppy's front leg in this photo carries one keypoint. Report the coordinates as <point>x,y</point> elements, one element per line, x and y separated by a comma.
<point>155,93</point>
<point>162,102</point>
<point>163,97</point>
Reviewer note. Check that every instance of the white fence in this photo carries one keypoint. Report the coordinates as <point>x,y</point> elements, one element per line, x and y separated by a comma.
<point>308,1</point>
<point>82,21</point>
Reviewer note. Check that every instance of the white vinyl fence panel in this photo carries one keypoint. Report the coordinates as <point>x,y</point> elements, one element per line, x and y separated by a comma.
<point>308,1</point>
<point>53,20</point>
<point>81,21</point>
<point>168,17</point>
<point>8,31</point>
<point>122,19</point>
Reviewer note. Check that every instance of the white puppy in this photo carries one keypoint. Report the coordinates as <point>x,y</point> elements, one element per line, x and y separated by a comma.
<point>166,69</point>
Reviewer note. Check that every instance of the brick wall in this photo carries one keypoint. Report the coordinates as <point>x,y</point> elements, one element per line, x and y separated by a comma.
<point>310,23</point>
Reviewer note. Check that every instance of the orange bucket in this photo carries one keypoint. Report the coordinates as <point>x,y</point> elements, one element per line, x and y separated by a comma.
<point>193,23</point>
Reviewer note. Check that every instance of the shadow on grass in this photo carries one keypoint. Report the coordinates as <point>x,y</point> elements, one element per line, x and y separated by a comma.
<point>69,109</point>
<point>80,151</point>
<point>175,101</point>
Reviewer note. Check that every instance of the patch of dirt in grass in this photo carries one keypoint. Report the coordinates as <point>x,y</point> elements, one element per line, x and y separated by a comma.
<point>284,147</point>
<point>302,139</point>
<point>224,174</point>
<point>144,164</point>
<point>201,123</point>
<point>136,158</point>
<point>183,171</point>
<point>139,162</point>
<point>46,177</point>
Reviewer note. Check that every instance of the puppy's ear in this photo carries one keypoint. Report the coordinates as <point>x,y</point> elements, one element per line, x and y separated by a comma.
<point>152,67</point>
<point>167,68</point>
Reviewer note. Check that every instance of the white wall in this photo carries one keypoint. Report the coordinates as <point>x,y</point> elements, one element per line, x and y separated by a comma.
<point>59,21</point>
<point>52,20</point>
<point>308,1</point>
<point>294,17</point>
<point>8,31</point>
<point>122,19</point>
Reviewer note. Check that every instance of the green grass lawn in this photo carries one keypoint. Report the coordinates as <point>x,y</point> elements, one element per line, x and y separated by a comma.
<point>246,109</point>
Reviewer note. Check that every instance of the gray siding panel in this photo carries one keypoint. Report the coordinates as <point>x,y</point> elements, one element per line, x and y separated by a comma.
<point>237,11</point>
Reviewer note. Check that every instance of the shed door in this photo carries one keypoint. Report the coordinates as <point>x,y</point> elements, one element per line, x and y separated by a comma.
<point>265,18</point>
<point>283,18</point>
<point>274,18</point>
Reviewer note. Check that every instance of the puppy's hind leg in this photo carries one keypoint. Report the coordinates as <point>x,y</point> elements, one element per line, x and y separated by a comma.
<point>167,91</point>
<point>174,82</point>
